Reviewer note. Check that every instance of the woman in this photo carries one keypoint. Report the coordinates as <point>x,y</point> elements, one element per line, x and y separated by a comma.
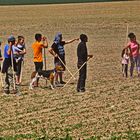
<point>134,46</point>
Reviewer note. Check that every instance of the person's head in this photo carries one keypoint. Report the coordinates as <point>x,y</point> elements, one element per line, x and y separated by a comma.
<point>132,36</point>
<point>58,38</point>
<point>38,37</point>
<point>11,40</point>
<point>83,38</point>
<point>21,40</point>
<point>125,51</point>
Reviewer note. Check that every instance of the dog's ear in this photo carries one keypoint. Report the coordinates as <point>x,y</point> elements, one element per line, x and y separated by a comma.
<point>33,74</point>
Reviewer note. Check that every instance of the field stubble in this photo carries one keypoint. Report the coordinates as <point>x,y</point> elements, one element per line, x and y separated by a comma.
<point>111,103</point>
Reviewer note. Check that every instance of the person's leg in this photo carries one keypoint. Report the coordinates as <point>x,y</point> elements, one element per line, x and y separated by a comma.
<point>138,65</point>
<point>82,79</point>
<point>62,73</point>
<point>18,66</point>
<point>79,80</point>
<point>132,66</point>
<point>61,78</point>
<point>56,74</point>
<point>126,70</point>
<point>123,70</point>
<point>38,67</point>
<point>7,84</point>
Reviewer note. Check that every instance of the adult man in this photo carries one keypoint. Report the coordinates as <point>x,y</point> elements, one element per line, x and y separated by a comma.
<point>82,55</point>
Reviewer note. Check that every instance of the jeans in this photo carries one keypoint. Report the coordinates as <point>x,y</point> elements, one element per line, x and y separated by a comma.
<point>134,61</point>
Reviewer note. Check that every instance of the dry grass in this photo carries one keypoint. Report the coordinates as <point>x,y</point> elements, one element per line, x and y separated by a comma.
<point>111,103</point>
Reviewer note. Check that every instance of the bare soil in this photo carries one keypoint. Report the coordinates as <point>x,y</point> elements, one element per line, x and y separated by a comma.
<point>111,103</point>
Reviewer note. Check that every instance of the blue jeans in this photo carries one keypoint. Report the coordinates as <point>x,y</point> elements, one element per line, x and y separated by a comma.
<point>134,61</point>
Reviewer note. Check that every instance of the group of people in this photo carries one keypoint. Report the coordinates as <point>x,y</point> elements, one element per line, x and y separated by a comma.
<point>15,50</point>
<point>131,53</point>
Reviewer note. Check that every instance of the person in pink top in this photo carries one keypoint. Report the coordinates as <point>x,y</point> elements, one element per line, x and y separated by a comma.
<point>125,62</point>
<point>133,47</point>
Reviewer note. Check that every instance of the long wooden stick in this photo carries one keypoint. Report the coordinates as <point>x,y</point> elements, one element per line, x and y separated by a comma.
<point>12,60</point>
<point>45,59</point>
<point>76,72</point>
<point>65,66</point>
<point>21,73</point>
<point>1,80</point>
<point>126,39</point>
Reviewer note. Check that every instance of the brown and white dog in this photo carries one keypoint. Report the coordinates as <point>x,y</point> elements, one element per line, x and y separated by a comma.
<point>45,74</point>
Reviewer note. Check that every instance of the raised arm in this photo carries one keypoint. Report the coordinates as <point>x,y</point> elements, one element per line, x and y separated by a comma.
<point>45,42</point>
<point>70,41</point>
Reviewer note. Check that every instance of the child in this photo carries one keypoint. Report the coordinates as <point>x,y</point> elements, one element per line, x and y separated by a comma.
<point>19,51</point>
<point>125,61</point>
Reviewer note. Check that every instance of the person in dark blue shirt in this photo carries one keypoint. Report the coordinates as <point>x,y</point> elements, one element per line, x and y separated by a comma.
<point>57,50</point>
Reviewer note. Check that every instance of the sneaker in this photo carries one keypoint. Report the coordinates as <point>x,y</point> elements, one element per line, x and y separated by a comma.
<point>62,82</point>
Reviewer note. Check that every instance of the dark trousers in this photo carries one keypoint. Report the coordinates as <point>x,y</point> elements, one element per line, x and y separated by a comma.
<point>82,77</point>
<point>9,83</point>
<point>125,69</point>
<point>38,66</point>
<point>18,67</point>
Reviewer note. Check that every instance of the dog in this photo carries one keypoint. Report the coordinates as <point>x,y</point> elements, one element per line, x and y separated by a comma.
<point>45,74</point>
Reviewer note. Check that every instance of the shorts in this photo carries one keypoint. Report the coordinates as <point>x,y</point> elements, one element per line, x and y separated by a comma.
<point>18,66</point>
<point>38,66</point>
<point>59,63</point>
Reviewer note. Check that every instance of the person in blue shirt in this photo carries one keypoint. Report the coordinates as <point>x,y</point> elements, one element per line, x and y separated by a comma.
<point>7,65</point>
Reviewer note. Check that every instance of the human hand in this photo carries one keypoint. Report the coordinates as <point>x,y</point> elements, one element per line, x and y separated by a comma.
<point>44,38</point>
<point>1,58</point>
<point>55,55</point>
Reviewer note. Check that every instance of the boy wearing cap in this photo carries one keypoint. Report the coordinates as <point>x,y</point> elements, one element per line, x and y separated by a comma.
<point>83,56</point>
<point>7,65</point>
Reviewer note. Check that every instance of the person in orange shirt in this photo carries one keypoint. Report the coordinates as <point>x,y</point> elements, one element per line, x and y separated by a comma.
<point>40,43</point>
